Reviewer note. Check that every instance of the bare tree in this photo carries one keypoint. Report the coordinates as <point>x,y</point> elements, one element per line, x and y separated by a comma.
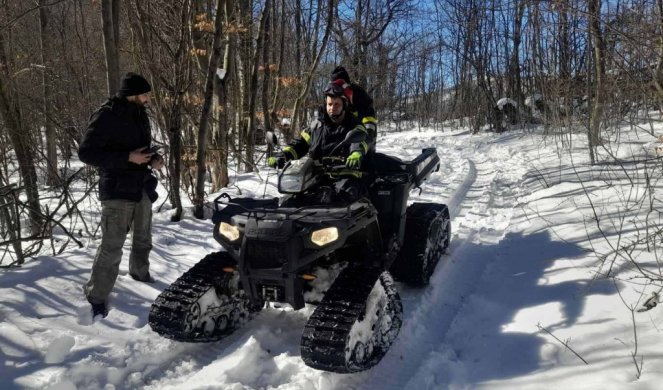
<point>308,76</point>
<point>18,133</point>
<point>45,47</point>
<point>515,84</point>
<point>658,77</point>
<point>369,21</point>
<point>161,48</point>
<point>220,136</point>
<point>205,112</point>
<point>596,34</point>
<point>252,87</point>
<point>110,20</point>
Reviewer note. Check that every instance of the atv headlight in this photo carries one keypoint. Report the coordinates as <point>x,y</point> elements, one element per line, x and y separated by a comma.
<point>228,231</point>
<point>324,236</point>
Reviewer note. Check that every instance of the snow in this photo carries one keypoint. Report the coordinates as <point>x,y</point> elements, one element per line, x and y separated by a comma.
<point>535,97</point>
<point>504,101</point>
<point>519,293</point>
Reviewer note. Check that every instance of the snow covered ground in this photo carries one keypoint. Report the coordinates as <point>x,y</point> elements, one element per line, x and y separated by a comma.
<point>516,303</point>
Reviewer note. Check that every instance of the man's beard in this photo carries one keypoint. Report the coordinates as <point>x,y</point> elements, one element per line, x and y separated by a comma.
<point>137,103</point>
<point>337,119</point>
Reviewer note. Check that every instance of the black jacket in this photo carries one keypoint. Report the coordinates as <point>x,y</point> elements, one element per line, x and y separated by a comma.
<point>115,129</point>
<point>322,136</point>
<point>362,104</point>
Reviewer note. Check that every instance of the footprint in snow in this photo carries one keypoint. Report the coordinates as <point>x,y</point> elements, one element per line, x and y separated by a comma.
<point>59,349</point>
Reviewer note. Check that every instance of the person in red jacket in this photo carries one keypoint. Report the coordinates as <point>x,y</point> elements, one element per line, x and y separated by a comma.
<point>361,104</point>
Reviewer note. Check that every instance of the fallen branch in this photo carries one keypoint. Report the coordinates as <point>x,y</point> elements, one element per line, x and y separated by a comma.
<point>564,343</point>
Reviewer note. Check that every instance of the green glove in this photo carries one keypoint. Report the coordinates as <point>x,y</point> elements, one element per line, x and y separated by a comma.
<point>273,161</point>
<point>354,160</point>
<point>276,161</point>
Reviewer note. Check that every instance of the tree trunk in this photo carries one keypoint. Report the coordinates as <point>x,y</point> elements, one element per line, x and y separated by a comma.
<point>266,41</point>
<point>20,139</point>
<point>204,115</point>
<point>253,91</point>
<point>565,54</point>
<point>515,87</point>
<point>594,10</point>
<point>243,60</point>
<point>357,52</point>
<point>658,76</point>
<point>51,150</point>
<point>171,75</point>
<point>221,123</point>
<point>175,157</point>
<point>279,62</point>
<point>198,36</point>
<point>110,22</point>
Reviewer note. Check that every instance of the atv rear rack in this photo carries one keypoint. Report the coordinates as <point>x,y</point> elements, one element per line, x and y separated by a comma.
<point>417,170</point>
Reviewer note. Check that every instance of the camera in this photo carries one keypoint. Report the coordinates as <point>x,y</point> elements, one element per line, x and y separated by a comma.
<point>153,149</point>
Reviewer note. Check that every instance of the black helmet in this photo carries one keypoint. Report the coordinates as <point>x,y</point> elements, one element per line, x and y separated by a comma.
<point>340,73</point>
<point>334,90</point>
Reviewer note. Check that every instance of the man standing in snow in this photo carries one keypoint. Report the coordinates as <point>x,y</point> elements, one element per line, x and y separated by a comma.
<point>117,142</point>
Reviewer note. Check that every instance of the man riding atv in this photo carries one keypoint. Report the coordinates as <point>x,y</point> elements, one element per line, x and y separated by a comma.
<point>324,134</point>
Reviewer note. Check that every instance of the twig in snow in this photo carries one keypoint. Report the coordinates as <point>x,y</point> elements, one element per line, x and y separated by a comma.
<point>564,343</point>
<point>634,355</point>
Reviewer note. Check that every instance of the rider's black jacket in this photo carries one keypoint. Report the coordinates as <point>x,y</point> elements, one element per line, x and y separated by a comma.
<point>322,136</point>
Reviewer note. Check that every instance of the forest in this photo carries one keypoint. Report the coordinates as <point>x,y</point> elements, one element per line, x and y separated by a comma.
<point>225,72</point>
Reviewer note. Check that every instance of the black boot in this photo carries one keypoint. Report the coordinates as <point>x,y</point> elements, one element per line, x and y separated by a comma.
<point>147,279</point>
<point>99,309</point>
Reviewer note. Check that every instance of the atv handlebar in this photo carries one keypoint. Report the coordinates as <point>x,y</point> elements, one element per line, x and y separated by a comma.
<point>334,165</point>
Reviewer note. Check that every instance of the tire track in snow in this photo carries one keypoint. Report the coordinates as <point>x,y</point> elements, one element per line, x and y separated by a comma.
<point>483,227</point>
<point>460,194</point>
<point>429,313</point>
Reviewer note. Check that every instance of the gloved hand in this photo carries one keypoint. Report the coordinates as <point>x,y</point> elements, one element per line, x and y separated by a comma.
<point>276,162</point>
<point>354,160</point>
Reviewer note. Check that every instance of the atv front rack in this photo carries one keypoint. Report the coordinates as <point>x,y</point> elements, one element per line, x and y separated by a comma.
<point>262,208</point>
<point>245,204</point>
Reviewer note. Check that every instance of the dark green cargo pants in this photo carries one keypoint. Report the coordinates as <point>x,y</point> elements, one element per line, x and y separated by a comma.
<point>117,218</point>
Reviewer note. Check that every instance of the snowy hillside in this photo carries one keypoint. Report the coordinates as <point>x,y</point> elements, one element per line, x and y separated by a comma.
<point>518,283</point>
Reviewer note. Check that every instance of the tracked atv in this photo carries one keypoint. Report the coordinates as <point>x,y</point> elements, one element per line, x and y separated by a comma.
<point>333,240</point>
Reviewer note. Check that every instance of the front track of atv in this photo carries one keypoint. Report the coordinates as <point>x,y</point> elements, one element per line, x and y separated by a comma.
<point>205,304</point>
<point>355,324</point>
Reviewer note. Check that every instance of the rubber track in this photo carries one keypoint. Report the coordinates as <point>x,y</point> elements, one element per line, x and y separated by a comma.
<point>327,331</point>
<point>168,313</point>
<point>420,216</point>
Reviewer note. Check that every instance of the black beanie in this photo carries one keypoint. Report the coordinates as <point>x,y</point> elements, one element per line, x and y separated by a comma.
<point>133,84</point>
<point>340,73</point>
